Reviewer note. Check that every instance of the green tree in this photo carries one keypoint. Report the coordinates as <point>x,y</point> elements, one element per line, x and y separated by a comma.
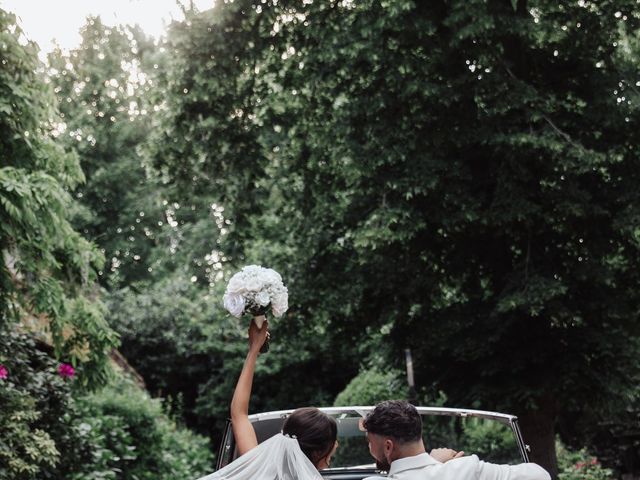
<point>47,271</point>
<point>168,313</point>
<point>160,245</point>
<point>48,268</point>
<point>459,174</point>
<point>102,88</point>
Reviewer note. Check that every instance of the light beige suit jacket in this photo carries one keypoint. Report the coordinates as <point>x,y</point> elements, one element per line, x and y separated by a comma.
<point>425,467</point>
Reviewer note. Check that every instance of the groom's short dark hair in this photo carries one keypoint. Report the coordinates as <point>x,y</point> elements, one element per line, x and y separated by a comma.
<point>397,419</point>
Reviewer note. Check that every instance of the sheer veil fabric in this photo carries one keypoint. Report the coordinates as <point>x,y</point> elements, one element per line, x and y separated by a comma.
<point>278,458</point>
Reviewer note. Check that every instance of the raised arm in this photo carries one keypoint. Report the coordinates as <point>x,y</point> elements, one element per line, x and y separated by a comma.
<point>243,431</point>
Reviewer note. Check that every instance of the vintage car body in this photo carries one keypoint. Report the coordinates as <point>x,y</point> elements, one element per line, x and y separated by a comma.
<point>493,436</point>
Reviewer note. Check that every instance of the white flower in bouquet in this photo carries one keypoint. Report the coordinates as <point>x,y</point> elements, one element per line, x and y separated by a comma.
<point>234,303</point>
<point>262,299</point>
<point>253,290</point>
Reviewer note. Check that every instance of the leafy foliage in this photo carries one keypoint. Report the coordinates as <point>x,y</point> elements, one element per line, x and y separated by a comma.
<point>115,432</point>
<point>101,87</point>
<point>580,466</point>
<point>26,449</point>
<point>459,175</point>
<point>128,436</point>
<point>169,333</point>
<point>612,436</point>
<point>48,267</point>
<point>191,352</point>
<point>491,441</point>
<point>34,400</point>
<point>47,272</point>
<point>372,386</point>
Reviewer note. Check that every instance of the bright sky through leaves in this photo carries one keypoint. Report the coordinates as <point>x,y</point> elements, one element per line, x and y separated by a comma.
<point>61,20</point>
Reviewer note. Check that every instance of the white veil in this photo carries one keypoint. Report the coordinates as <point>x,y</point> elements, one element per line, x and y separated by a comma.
<point>278,458</point>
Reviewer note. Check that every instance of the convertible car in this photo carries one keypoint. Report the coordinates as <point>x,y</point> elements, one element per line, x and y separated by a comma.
<point>494,437</point>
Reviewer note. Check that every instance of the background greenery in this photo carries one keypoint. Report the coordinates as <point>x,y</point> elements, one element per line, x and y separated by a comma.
<point>454,177</point>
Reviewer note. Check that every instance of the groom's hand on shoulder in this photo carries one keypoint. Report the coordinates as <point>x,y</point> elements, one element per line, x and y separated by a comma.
<point>445,454</point>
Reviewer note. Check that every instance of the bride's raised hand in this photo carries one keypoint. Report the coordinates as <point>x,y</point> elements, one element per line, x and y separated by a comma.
<point>257,336</point>
<point>243,431</point>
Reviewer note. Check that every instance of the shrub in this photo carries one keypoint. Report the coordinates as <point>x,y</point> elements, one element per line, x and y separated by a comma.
<point>579,465</point>
<point>24,448</point>
<point>129,437</point>
<point>372,386</point>
<point>34,401</point>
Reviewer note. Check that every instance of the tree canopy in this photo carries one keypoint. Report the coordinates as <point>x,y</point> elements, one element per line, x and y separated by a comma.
<point>458,175</point>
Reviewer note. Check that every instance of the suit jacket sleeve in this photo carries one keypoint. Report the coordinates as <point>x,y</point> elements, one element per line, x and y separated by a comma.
<point>523,471</point>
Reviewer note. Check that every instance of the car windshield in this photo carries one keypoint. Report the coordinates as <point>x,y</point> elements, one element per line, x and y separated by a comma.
<point>490,439</point>
<point>493,437</point>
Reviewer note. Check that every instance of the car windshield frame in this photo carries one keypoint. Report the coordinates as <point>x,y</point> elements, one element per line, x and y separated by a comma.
<point>228,443</point>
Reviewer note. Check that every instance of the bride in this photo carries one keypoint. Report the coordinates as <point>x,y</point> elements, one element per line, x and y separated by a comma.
<point>306,444</point>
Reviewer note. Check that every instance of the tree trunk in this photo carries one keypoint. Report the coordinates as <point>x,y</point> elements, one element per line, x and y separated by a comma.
<point>538,430</point>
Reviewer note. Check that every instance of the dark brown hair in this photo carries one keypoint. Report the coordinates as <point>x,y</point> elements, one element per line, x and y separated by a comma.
<point>397,419</point>
<point>316,432</point>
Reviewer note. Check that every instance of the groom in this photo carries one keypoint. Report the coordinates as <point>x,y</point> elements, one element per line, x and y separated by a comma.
<point>394,433</point>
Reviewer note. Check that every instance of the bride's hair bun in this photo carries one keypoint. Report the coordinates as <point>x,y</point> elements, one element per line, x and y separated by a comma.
<point>316,432</point>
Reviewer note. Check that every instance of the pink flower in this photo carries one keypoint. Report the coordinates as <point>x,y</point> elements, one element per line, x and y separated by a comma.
<point>4,373</point>
<point>66,371</point>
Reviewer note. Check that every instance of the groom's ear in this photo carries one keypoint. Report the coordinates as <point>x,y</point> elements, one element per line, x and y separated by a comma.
<point>388,445</point>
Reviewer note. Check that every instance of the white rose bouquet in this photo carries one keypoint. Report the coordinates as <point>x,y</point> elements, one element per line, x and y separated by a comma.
<point>254,290</point>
